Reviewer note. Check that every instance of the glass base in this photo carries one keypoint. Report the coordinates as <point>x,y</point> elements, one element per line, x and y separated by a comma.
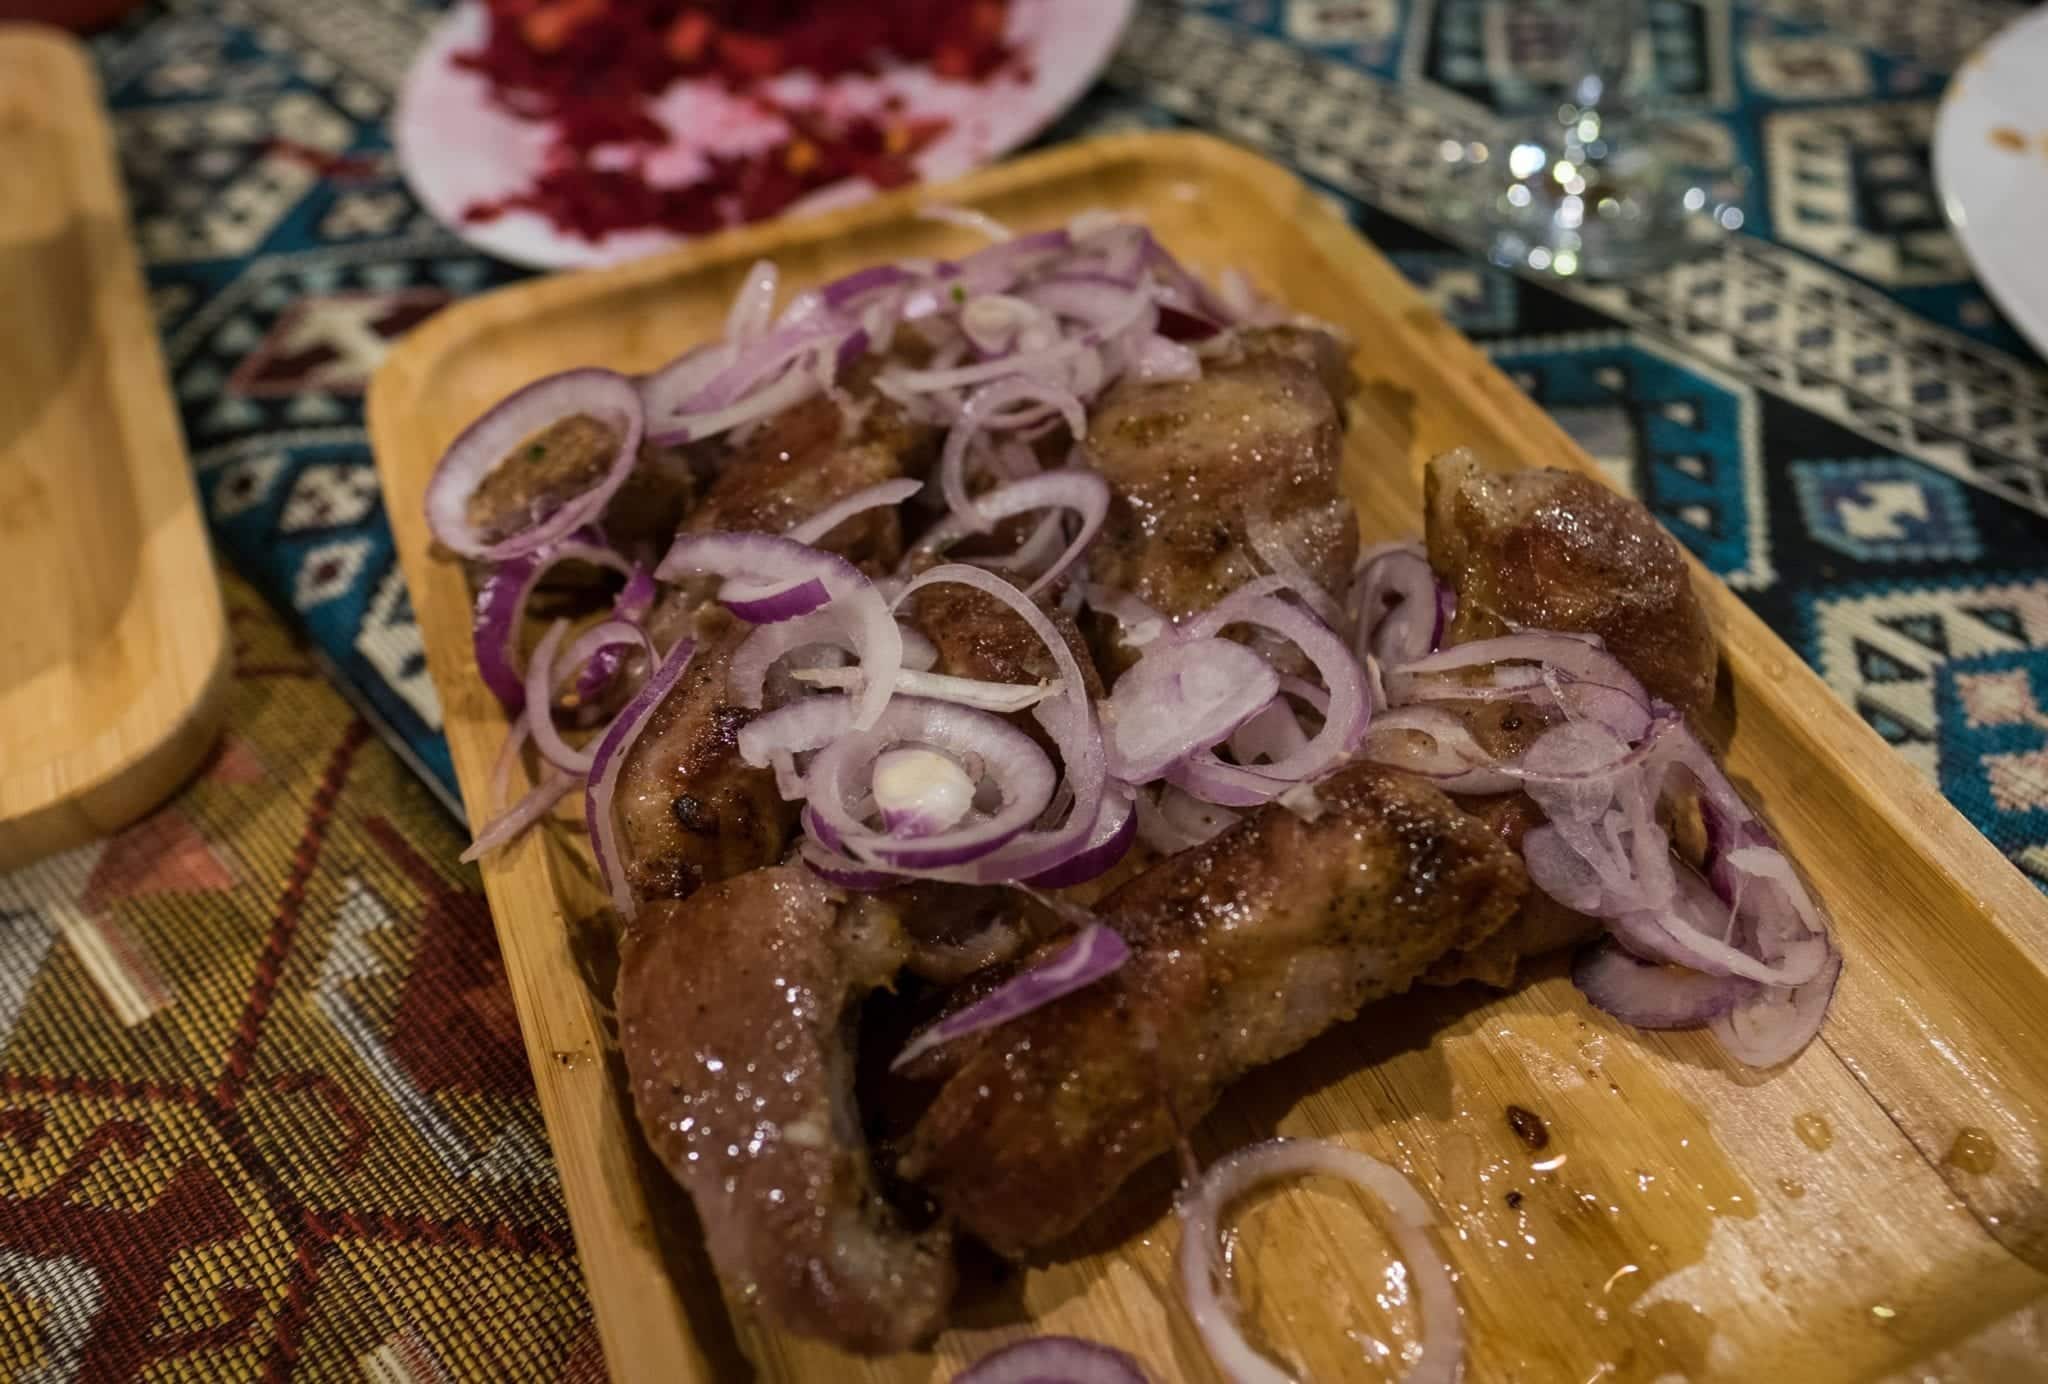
<point>1581,198</point>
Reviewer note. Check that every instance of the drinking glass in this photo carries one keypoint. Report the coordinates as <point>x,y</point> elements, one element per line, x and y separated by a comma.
<point>1579,181</point>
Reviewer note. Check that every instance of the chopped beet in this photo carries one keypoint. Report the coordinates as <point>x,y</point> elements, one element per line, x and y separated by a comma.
<point>591,66</point>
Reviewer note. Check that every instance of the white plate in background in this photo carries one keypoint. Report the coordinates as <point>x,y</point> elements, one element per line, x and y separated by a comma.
<point>1990,153</point>
<point>456,148</point>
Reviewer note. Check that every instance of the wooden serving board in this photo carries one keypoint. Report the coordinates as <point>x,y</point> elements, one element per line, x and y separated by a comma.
<point>1871,1204</point>
<point>113,647</point>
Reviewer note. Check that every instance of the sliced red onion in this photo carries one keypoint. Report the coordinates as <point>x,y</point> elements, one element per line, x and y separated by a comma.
<point>798,728</point>
<point>1350,709</point>
<point>760,559</point>
<point>1082,491</point>
<point>609,397</point>
<point>663,391</point>
<point>791,389</point>
<point>1205,1277</point>
<point>1395,597</point>
<point>1116,828</point>
<point>919,791</point>
<point>975,418</point>
<point>820,525</point>
<point>508,755</point>
<point>1141,623</point>
<point>1180,698</point>
<point>1069,720</point>
<point>1775,1025</point>
<point>747,674</point>
<point>1095,952</point>
<point>1010,760</point>
<point>1580,657</point>
<point>545,672</point>
<point>967,218</point>
<point>1003,698</point>
<point>1649,995</point>
<point>1271,546</point>
<point>776,604</point>
<point>1054,1360</point>
<point>513,822</point>
<point>1447,754</point>
<point>1171,821</point>
<point>501,610</point>
<point>635,599</point>
<point>1272,734</point>
<point>603,781</point>
<point>753,307</point>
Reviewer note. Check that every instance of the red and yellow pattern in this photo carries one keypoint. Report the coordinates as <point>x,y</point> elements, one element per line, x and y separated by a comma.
<point>264,1109</point>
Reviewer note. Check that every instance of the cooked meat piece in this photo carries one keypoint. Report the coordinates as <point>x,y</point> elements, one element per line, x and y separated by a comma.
<point>1193,464</point>
<point>1558,551</point>
<point>689,810</point>
<point>980,637</point>
<point>796,464</point>
<point>563,459</point>
<point>1554,550</point>
<point>1243,950</point>
<point>736,1012</point>
<point>645,513</point>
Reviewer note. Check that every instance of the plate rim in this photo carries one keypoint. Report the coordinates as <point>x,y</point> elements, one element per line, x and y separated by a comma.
<point>2029,319</point>
<point>822,201</point>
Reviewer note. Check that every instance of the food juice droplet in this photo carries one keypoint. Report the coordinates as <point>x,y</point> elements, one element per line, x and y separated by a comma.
<point>1813,1131</point>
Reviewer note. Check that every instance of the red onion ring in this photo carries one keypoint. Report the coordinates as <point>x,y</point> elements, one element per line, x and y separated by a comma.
<point>1645,994</point>
<point>1095,952</point>
<point>509,825</point>
<point>611,398</point>
<point>1179,699</point>
<point>1084,492</point>
<point>501,610</point>
<point>610,757</point>
<point>1204,1280</point>
<point>1054,1360</point>
<point>759,558</point>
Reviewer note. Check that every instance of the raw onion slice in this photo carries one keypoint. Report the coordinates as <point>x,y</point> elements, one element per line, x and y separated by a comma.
<point>1140,623</point>
<point>819,526</point>
<point>747,674</point>
<point>977,416</point>
<point>753,307</point>
<point>1054,1360</point>
<point>545,672</point>
<point>1070,721</point>
<point>510,824</point>
<point>1095,952</point>
<point>1774,1025</point>
<point>609,397</point>
<point>1647,994</point>
<point>760,559</point>
<point>1181,698</point>
<point>1350,709</point>
<point>501,610</point>
<point>1115,829</point>
<point>610,758</point>
<point>1204,1278</point>
<point>1082,491</point>
<point>1581,657</point>
<point>920,791</point>
<point>1009,759</point>
<point>1171,821</point>
<point>1394,595</point>
<point>1269,542</point>
<point>1004,698</point>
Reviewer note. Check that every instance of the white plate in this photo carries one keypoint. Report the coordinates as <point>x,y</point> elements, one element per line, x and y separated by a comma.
<point>1991,168</point>
<point>457,149</point>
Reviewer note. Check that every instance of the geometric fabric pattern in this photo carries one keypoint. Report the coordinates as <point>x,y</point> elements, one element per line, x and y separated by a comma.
<point>264,1107</point>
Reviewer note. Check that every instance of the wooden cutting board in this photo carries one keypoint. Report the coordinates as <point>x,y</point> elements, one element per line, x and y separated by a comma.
<point>1654,1211</point>
<point>113,647</point>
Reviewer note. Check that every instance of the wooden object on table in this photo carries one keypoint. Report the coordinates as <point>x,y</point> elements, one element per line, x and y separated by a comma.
<point>1873,1202</point>
<point>113,647</point>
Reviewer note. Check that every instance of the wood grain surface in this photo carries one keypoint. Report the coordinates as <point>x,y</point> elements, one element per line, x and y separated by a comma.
<point>1875,1203</point>
<point>113,647</point>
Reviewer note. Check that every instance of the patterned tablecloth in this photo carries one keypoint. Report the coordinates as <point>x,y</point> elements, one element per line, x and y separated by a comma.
<point>262,1103</point>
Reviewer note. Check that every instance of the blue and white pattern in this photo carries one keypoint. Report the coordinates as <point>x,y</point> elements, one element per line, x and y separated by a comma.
<point>1825,407</point>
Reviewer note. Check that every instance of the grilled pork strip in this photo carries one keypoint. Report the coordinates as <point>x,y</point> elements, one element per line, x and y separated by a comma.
<point>689,810</point>
<point>1195,465</point>
<point>735,1016</point>
<point>1243,949</point>
<point>1556,551</point>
